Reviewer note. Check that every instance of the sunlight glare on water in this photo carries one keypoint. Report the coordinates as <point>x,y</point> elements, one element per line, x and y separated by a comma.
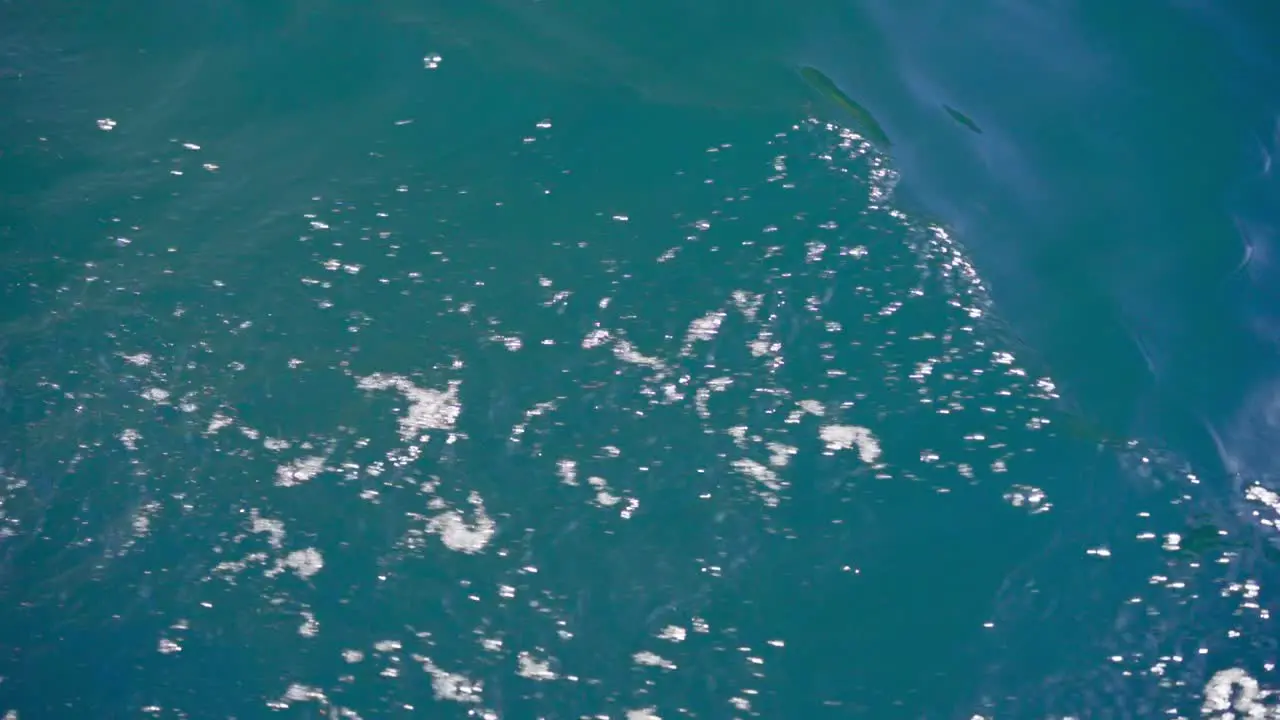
<point>501,449</point>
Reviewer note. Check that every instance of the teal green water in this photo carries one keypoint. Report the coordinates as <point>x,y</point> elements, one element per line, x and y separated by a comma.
<point>515,359</point>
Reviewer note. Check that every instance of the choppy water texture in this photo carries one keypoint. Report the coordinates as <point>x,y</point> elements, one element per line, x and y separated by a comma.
<point>502,359</point>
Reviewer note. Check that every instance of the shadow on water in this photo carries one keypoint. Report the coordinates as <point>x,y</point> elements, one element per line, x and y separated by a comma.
<point>1084,157</point>
<point>1116,190</point>
<point>1107,167</point>
<point>1089,158</point>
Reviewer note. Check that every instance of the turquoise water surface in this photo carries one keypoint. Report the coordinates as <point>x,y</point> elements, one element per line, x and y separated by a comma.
<point>542,359</point>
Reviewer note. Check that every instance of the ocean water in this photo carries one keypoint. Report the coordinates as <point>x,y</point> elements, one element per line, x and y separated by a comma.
<point>538,359</point>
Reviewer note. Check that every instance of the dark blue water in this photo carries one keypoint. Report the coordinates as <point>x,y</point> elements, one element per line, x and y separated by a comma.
<point>544,359</point>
